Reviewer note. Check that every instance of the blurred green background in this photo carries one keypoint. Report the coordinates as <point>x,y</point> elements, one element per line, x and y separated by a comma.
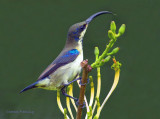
<point>32,34</point>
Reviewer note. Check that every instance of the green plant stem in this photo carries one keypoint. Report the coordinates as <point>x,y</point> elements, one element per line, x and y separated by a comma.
<point>71,94</point>
<point>98,88</point>
<point>68,102</point>
<point>60,104</point>
<point>104,54</point>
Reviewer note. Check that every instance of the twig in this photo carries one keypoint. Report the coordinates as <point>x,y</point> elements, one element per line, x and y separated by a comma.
<point>84,65</point>
<point>85,99</point>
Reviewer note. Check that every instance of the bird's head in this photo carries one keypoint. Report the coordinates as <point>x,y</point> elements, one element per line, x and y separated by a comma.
<point>76,32</point>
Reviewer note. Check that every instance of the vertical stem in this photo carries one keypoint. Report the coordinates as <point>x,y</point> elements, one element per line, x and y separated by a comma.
<point>59,103</point>
<point>71,94</point>
<point>82,90</point>
<point>99,82</point>
<point>68,102</point>
<point>98,87</point>
<point>116,79</point>
<point>85,99</point>
<point>92,91</point>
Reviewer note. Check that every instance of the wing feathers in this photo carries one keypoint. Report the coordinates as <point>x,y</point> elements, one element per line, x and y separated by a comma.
<point>65,58</point>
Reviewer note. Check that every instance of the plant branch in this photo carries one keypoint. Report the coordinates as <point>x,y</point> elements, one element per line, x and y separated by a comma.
<point>84,65</point>
<point>85,99</point>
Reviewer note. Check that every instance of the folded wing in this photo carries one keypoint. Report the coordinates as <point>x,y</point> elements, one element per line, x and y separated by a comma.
<point>63,59</point>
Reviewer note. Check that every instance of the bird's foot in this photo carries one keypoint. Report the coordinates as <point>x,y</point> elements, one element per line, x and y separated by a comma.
<point>65,85</point>
<point>65,94</point>
<point>82,84</point>
<point>83,105</point>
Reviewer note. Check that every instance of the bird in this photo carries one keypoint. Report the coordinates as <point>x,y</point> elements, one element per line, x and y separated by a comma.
<point>66,67</point>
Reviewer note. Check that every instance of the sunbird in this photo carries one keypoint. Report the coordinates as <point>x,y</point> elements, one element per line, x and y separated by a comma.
<point>66,67</point>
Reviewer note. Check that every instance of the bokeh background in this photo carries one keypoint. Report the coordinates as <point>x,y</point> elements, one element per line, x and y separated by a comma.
<point>32,34</point>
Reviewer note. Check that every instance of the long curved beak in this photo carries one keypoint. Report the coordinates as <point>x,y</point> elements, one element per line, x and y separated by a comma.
<point>97,14</point>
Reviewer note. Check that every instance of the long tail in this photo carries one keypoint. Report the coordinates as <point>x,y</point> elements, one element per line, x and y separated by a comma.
<point>30,87</point>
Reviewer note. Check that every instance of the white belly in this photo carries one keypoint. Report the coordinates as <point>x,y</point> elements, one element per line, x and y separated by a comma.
<point>65,74</point>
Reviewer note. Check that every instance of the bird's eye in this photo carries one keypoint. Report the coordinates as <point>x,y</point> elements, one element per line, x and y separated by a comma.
<point>83,26</point>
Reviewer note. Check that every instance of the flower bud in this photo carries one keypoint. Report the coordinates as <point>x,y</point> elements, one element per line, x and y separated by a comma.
<point>96,51</point>
<point>115,50</point>
<point>113,27</point>
<point>107,59</point>
<point>122,29</point>
<point>111,34</point>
